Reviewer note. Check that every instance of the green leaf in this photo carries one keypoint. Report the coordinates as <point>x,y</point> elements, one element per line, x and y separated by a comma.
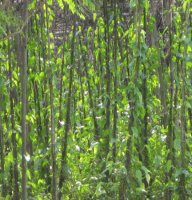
<point>177,143</point>
<point>132,3</point>
<point>49,2</point>
<point>148,178</point>
<point>100,190</point>
<point>94,16</point>
<point>168,165</point>
<point>71,5</point>
<point>9,157</point>
<point>60,3</point>
<point>139,175</point>
<point>135,132</point>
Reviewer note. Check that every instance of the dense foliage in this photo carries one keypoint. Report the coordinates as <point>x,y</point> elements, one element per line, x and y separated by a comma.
<point>96,99</point>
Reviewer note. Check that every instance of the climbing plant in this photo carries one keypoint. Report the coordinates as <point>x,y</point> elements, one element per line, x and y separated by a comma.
<point>95,99</point>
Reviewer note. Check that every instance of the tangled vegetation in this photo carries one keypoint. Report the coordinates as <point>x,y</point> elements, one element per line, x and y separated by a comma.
<point>96,99</point>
